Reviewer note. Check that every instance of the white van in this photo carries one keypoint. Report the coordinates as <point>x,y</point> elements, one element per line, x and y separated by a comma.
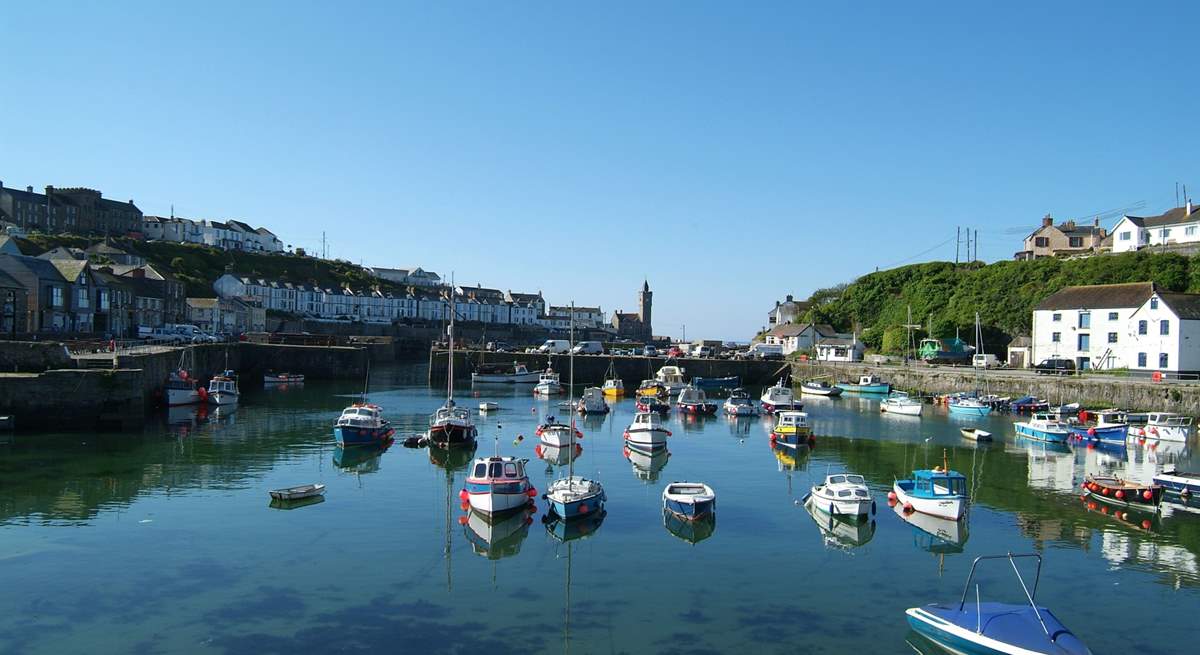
<point>555,347</point>
<point>766,351</point>
<point>985,361</point>
<point>588,348</point>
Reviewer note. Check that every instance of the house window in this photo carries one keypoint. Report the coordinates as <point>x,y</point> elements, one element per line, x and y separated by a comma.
<point>1056,316</point>
<point>1056,337</point>
<point>1162,360</point>
<point>1112,337</point>
<point>1189,231</point>
<point>1141,327</point>
<point>81,297</point>
<point>1125,236</point>
<point>56,297</point>
<point>1041,242</point>
<point>1112,316</point>
<point>1154,303</point>
<point>1076,242</point>
<point>1164,327</point>
<point>1141,360</point>
<point>1085,342</point>
<point>1166,232</point>
<point>1085,320</point>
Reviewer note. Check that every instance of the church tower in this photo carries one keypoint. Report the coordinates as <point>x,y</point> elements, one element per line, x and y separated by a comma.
<point>645,300</point>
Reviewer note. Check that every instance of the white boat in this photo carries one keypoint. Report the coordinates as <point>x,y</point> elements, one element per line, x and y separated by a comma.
<point>843,494</point>
<point>488,406</point>
<point>592,402</point>
<point>689,500</point>
<point>498,484</point>
<point>1164,426</point>
<point>223,389</point>
<point>975,434</point>
<point>515,373</point>
<point>671,377</point>
<point>548,384</point>
<point>296,493</point>
<point>283,378</point>
<point>646,432</point>
<point>1043,426</point>
<point>181,387</point>
<point>900,403</point>
<point>819,388</point>
<point>557,435</point>
<point>780,398</point>
<point>739,403</point>
<point>938,492</point>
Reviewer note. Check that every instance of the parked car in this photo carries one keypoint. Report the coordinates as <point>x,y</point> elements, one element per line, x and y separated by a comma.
<point>498,347</point>
<point>650,351</point>
<point>766,351</point>
<point>1055,366</point>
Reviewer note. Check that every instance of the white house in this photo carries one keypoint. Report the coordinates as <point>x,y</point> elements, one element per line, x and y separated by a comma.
<point>794,336</point>
<point>788,311</point>
<point>1134,326</point>
<point>839,349</point>
<point>228,235</point>
<point>1177,226</point>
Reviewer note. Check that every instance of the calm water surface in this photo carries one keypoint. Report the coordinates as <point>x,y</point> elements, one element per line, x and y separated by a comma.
<point>163,541</point>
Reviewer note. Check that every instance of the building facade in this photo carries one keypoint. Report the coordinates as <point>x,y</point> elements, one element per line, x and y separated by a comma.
<point>225,235</point>
<point>76,209</point>
<point>1180,225</point>
<point>1062,240</point>
<point>788,311</point>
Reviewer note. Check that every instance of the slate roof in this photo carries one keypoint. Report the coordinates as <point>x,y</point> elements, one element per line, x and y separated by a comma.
<point>837,341</point>
<point>1185,305</point>
<point>796,329</point>
<point>8,282</point>
<point>69,268</point>
<point>1170,217</point>
<point>1099,296</point>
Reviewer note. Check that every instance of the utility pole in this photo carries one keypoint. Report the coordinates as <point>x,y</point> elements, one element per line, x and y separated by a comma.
<point>976,258</point>
<point>957,243</point>
<point>967,254</point>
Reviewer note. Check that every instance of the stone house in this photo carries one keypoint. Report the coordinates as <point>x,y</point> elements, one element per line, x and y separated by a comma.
<point>14,306</point>
<point>1064,239</point>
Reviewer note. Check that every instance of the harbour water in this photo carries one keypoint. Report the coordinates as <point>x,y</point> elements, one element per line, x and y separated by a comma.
<point>164,541</point>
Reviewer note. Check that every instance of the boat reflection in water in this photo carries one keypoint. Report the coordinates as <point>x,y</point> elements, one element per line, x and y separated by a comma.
<point>647,466</point>
<point>933,534</point>
<point>1133,518</point>
<point>740,426</point>
<point>360,459</point>
<point>557,455</point>
<point>452,459</point>
<point>841,532</point>
<point>498,536</point>
<point>278,503</point>
<point>565,530</point>
<point>792,459</point>
<point>692,532</point>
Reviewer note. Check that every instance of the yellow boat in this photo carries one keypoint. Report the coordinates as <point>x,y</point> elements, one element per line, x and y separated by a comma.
<point>652,390</point>
<point>613,388</point>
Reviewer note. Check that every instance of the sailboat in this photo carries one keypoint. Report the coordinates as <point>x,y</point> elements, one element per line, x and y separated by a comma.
<point>451,426</point>
<point>574,496</point>
<point>555,433</point>
<point>613,387</point>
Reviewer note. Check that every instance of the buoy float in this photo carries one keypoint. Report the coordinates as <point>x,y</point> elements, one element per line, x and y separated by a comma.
<point>891,495</point>
<point>1147,495</point>
<point>462,520</point>
<point>1105,491</point>
<point>531,492</point>
<point>463,495</point>
<point>1091,432</point>
<point>1146,524</point>
<point>1120,494</point>
<point>465,506</point>
<point>908,507</point>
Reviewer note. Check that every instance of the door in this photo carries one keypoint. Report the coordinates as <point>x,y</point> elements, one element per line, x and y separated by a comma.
<point>1082,363</point>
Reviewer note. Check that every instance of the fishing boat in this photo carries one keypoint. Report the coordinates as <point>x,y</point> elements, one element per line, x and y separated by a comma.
<point>548,384</point>
<point>975,434</point>
<point>362,424</point>
<point>647,464</point>
<point>938,492</point>
<point>739,403</point>
<point>1164,426</point>
<point>791,429</point>
<point>945,351</point>
<point>1182,483</point>
<point>820,388</point>
<point>1043,427</point>
<point>451,426</point>
<point>693,401</point>
<point>689,500</point>
<point>282,378</point>
<point>969,407</point>
<point>840,532</point>
<point>613,388</point>
<point>181,388</point>
<point>223,388</point>
<point>843,494</point>
<point>713,384</point>
<point>592,402</point>
<point>652,389</point>
<point>498,484</point>
<point>779,398</point>
<point>1110,426</point>
<point>298,493</point>
<point>1118,491</point>
<point>900,403</point>
<point>866,384</point>
<point>646,433</point>
<point>996,628</point>
<point>671,377</point>
<point>1029,404</point>
<point>515,373</point>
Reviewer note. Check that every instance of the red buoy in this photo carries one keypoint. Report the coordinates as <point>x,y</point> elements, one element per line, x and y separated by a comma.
<point>1091,432</point>
<point>908,507</point>
<point>891,495</point>
<point>1120,494</point>
<point>1146,524</point>
<point>1147,495</point>
<point>463,495</point>
<point>1105,491</point>
<point>462,520</point>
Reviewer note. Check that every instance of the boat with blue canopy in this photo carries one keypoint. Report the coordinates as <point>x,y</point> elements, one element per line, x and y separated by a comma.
<point>997,628</point>
<point>938,492</point>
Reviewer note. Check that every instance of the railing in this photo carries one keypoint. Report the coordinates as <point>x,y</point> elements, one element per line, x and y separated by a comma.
<point>1012,559</point>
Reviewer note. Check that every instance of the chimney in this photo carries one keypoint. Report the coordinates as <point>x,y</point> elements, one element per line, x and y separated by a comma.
<point>1189,207</point>
<point>789,298</point>
<point>1047,221</point>
<point>29,189</point>
<point>1070,225</point>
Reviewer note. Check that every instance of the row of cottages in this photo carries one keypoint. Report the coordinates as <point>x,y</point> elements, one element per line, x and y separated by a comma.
<point>828,344</point>
<point>226,235</point>
<point>585,317</point>
<point>227,315</point>
<point>1180,225</point>
<point>415,277</point>
<point>1119,326</point>
<point>1176,227</point>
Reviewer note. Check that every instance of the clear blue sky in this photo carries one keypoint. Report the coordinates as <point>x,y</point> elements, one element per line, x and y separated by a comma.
<point>732,153</point>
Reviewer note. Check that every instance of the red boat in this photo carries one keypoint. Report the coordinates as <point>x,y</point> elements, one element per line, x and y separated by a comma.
<point>1116,491</point>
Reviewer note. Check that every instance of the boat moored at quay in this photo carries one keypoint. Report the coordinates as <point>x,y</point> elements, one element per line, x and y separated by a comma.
<point>779,398</point>
<point>866,384</point>
<point>1043,427</point>
<point>515,373</point>
<point>693,401</point>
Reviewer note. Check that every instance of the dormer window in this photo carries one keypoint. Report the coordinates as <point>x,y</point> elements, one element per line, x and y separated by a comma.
<point>1154,302</point>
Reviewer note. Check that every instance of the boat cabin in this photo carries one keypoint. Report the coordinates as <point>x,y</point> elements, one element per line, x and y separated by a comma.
<point>779,395</point>
<point>498,468</point>
<point>1047,420</point>
<point>938,483</point>
<point>869,380</point>
<point>222,384</point>
<point>1168,419</point>
<point>692,395</point>
<point>647,421</point>
<point>1110,418</point>
<point>614,383</point>
<point>360,415</point>
<point>449,413</point>
<point>670,376</point>
<point>592,396</point>
<point>548,377</point>
<point>791,420</point>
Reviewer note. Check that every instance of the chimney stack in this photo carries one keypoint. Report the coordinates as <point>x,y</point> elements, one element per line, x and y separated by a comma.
<point>1096,222</point>
<point>1047,221</point>
<point>1189,207</point>
<point>29,189</point>
<point>1070,225</point>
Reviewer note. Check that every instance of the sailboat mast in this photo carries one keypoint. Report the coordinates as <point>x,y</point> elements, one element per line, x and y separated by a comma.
<point>571,396</point>
<point>450,365</point>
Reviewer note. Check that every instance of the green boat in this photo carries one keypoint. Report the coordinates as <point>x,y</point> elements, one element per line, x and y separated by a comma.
<point>945,351</point>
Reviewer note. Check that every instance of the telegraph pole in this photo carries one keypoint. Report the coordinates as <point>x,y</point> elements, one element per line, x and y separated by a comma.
<point>957,243</point>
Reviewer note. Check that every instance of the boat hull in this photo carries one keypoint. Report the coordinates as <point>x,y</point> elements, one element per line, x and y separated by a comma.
<point>740,410</point>
<point>903,409</point>
<point>1049,436</point>
<point>960,410</point>
<point>1111,434</point>
<point>348,436</point>
<point>836,507</point>
<point>556,436</point>
<point>975,435</point>
<point>646,439</point>
<point>1179,483</point>
<point>865,388</point>
<point>771,408</point>
<point>500,378</point>
<point>452,435</point>
<point>1008,630</point>
<point>948,507</point>
<point>223,398</point>
<point>578,508</point>
<point>697,408</point>
<point>820,391</point>
<point>496,498</point>
<point>690,511</point>
<point>1120,493</point>
<point>1161,432</point>
<point>177,397</point>
<point>791,440</point>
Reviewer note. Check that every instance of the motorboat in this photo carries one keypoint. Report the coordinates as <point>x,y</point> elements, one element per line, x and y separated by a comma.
<point>223,389</point>
<point>671,377</point>
<point>739,403</point>
<point>575,497</point>
<point>866,384</point>
<point>938,492</point>
<point>1118,491</point>
<point>498,484</point>
<point>592,402</point>
<point>646,433</point>
<point>1164,426</point>
<point>362,424</point>
<point>613,388</point>
<point>1110,426</point>
<point>901,403</point>
<point>1181,483</point>
<point>689,500</point>
<point>489,406</point>
<point>556,434</point>
<point>820,388</point>
<point>1029,404</point>
<point>969,407</point>
<point>714,384</point>
<point>975,434</point>
<point>791,429</point>
<point>843,494</point>
<point>181,389</point>
<point>693,401</point>
<point>652,389</point>
<point>779,398</point>
<point>548,384</point>
<point>515,373</point>
<point>451,426</point>
<point>283,378</point>
<point>996,628</point>
<point>1043,426</point>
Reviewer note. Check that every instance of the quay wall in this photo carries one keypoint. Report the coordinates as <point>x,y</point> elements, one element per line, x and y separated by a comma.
<point>33,356</point>
<point>590,369</point>
<point>73,399</point>
<point>1093,390</point>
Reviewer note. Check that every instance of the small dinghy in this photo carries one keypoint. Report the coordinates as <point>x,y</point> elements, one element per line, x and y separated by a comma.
<point>689,500</point>
<point>488,406</point>
<point>975,434</point>
<point>1004,628</point>
<point>296,493</point>
<point>1117,491</point>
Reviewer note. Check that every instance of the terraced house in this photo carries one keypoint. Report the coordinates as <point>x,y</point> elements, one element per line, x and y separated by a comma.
<point>77,210</point>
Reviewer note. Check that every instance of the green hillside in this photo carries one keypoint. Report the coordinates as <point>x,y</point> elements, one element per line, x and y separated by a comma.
<point>945,297</point>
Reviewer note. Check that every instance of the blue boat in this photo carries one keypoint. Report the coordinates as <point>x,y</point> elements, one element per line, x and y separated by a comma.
<point>1043,427</point>
<point>1111,427</point>
<point>689,500</point>
<point>866,384</point>
<point>362,424</point>
<point>969,407</point>
<point>728,382</point>
<point>575,497</point>
<point>938,492</point>
<point>1182,483</point>
<point>996,628</point>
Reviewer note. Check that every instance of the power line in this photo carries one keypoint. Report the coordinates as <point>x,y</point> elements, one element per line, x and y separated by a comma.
<point>923,252</point>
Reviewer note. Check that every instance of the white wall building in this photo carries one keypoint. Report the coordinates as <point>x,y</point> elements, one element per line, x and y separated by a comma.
<point>228,235</point>
<point>1177,226</point>
<point>840,350</point>
<point>795,336</point>
<point>585,317</point>
<point>1134,326</point>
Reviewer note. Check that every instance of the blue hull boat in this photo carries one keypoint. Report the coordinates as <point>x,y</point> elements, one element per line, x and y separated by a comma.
<point>348,436</point>
<point>1041,431</point>
<point>970,410</point>
<point>1114,434</point>
<point>881,388</point>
